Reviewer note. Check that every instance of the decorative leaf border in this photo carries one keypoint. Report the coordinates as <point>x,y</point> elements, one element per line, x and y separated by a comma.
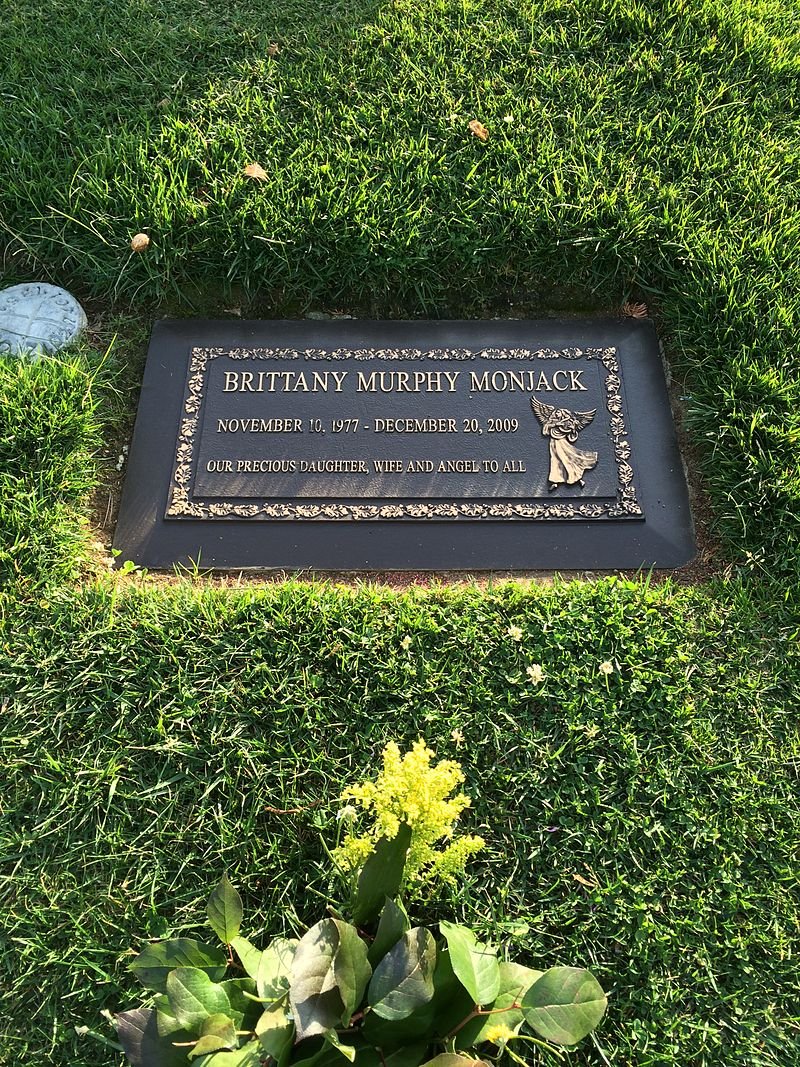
<point>626,505</point>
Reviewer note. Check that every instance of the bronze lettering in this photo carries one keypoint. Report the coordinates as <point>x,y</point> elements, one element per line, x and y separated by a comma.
<point>414,426</point>
<point>400,381</point>
<point>458,466</point>
<point>259,425</point>
<point>333,466</point>
<point>366,385</point>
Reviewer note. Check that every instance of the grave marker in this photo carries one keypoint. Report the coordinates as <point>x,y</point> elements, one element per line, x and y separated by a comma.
<point>431,445</point>
<point>37,318</point>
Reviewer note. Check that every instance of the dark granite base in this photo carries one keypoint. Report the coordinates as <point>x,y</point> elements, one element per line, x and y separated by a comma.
<point>660,536</point>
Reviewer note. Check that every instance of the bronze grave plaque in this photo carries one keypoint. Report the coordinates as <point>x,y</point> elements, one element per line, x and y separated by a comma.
<point>409,445</point>
<point>402,433</point>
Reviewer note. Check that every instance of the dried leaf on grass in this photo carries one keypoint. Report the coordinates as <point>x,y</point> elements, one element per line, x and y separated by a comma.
<point>256,171</point>
<point>273,49</point>
<point>584,881</point>
<point>632,310</point>
<point>479,130</point>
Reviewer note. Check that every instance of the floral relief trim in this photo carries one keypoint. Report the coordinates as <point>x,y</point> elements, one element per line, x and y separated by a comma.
<point>181,504</point>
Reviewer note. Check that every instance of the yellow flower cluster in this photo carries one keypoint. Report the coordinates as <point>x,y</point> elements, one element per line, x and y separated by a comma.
<point>410,789</point>
<point>499,1034</point>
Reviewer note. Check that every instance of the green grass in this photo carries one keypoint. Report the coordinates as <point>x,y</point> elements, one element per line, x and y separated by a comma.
<point>643,143</point>
<point>150,735</point>
<point>50,428</point>
<point>651,151</point>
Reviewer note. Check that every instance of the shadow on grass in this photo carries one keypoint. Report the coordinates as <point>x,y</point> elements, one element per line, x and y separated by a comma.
<point>620,144</point>
<point>87,91</point>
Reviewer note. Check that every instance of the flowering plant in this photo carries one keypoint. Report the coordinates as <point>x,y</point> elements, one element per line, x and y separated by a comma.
<point>374,990</point>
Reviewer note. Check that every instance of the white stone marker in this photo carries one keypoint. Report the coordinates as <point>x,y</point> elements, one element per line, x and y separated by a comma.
<point>38,318</point>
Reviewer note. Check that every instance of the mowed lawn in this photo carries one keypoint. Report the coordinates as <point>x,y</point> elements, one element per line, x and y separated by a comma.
<point>645,827</point>
<point>644,824</point>
<point>635,149</point>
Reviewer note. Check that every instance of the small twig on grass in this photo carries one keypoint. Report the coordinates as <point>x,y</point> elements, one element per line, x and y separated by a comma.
<point>293,811</point>
<point>478,1011</point>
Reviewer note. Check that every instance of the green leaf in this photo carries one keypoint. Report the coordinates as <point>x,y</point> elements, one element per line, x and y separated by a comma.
<point>403,980</point>
<point>328,977</point>
<point>244,1011</point>
<point>564,1005</point>
<point>275,967</point>
<point>452,1059</point>
<point>206,1045</point>
<point>515,980</point>
<point>220,1026</point>
<point>154,962</point>
<point>410,1055</point>
<point>225,911</point>
<point>143,1045</point>
<point>249,1055</point>
<point>451,1002</point>
<point>450,1005</point>
<point>382,875</point>
<point>324,1056</point>
<point>193,997</point>
<point>270,968</point>
<point>275,1032</point>
<point>351,968</point>
<point>396,1033</point>
<point>475,965</point>
<point>249,955</point>
<point>165,1017</point>
<point>347,1051</point>
<point>393,924</point>
<point>218,1032</point>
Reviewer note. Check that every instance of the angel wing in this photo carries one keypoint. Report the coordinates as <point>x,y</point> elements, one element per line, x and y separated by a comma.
<point>542,411</point>
<point>581,419</point>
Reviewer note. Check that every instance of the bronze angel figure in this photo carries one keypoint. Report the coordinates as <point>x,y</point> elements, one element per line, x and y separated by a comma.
<point>567,463</point>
